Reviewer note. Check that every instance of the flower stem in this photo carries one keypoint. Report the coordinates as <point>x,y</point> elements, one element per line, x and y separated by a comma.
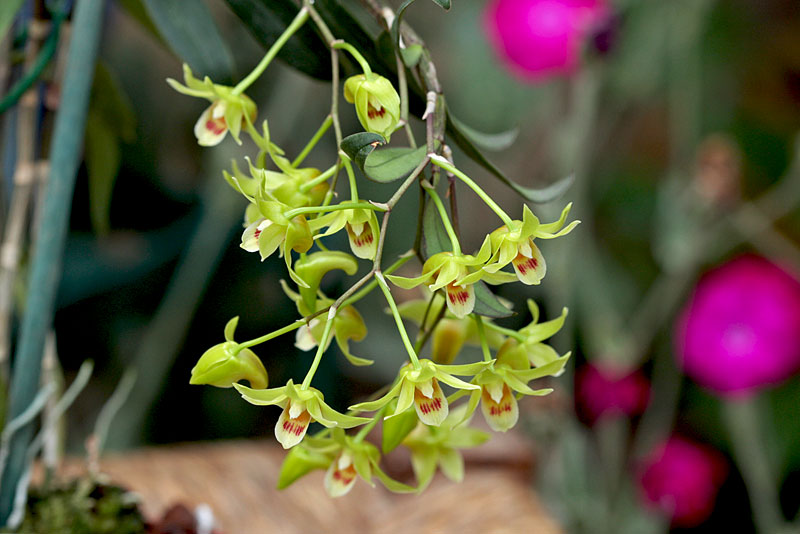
<point>266,337</point>
<point>351,176</point>
<point>444,164</point>
<point>745,425</point>
<point>362,433</point>
<point>506,331</point>
<point>341,45</point>
<point>343,206</point>
<point>296,24</point>
<point>400,326</point>
<point>313,142</point>
<point>487,355</point>
<point>445,219</point>
<point>323,343</point>
<point>308,186</point>
<point>370,286</point>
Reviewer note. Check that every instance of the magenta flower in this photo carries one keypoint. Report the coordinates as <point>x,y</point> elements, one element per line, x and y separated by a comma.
<point>682,478</point>
<point>540,39</point>
<point>605,391</point>
<point>740,330</point>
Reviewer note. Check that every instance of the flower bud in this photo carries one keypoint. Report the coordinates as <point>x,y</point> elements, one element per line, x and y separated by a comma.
<point>448,338</point>
<point>377,102</point>
<point>299,462</point>
<point>224,364</point>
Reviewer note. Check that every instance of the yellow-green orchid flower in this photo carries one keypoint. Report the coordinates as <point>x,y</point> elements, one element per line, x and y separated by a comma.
<point>361,225</point>
<point>300,406</point>
<point>345,458</point>
<point>376,101</point>
<point>456,273</point>
<point>515,245</point>
<point>419,387</point>
<point>432,447</point>
<point>226,112</point>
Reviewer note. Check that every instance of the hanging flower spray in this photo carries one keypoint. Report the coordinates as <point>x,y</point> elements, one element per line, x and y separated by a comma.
<point>291,211</point>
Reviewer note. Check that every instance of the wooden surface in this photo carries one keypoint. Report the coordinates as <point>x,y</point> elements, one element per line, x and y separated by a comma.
<point>237,479</point>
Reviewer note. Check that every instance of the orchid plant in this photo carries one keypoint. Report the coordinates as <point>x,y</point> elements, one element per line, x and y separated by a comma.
<point>293,209</point>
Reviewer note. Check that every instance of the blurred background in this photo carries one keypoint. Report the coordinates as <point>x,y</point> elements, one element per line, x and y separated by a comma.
<point>679,120</point>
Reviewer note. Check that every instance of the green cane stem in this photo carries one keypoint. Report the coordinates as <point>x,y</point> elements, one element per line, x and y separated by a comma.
<point>444,164</point>
<point>445,220</point>
<point>326,124</point>
<point>341,45</point>
<point>400,326</point>
<point>323,342</point>
<point>297,23</point>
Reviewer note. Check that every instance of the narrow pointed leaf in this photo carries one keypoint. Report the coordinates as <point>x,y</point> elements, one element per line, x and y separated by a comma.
<point>190,30</point>
<point>539,196</point>
<point>434,235</point>
<point>487,141</point>
<point>487,304</point>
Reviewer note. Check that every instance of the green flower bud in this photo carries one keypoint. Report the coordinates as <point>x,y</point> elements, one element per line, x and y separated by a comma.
<point>377,102</point>
<point>448,338</point>
<point>224,364</point>
<point>299,462</point>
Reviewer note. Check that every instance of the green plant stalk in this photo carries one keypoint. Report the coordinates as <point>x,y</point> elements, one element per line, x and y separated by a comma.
<point>403,83</point>
<point>323,343</point>
<point>344,206</point>
<point>487,354</point>
<point>445,220</point>
<point>297,23</point>
<point>506,331</point>
<point>308,186</point>
<point>400,326</point>
<point>326,124</point>
<point>45,273</point>
<point>272,335</point>
<point>341,45</point>
<point>351,176</point>
<point>439,161</point>
<point>745,426</point>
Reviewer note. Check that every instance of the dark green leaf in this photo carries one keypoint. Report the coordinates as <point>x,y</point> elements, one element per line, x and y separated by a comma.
<point>190,30</point>
<point>398,18</point>
<point>487,304</point>
<point>267,19</point>
<point>444,4</point>
<point>137,12</point>
<point>434,235</point>
<point>390,164</point>
<point>498,141</point>
<point>360,145</point>
<point>539,196</point>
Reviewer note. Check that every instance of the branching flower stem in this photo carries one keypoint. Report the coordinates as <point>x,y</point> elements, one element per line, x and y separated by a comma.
<point>323,344</point>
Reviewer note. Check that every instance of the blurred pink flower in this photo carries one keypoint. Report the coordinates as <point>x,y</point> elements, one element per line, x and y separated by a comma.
<point>540,39</point>
<point>603,391</point>
<point>682,478</point>
<point>740,330</point>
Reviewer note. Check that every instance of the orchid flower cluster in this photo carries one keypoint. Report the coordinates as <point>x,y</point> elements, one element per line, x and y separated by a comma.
<point>291,211</point>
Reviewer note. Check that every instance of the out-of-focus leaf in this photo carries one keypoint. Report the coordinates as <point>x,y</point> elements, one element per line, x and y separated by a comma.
<point>8,10</point>
<point>267,19</point>
<point>110,121</point>
<point>444,4</point>
<point>411,55</point>
<point>434,235</point>
<point>137,12</point>
<point>539,196</point>
<point>190,31</point>
<point>390,164</point>
<point>360,145</point>
<point>487,304</point>
<point>497,141</point>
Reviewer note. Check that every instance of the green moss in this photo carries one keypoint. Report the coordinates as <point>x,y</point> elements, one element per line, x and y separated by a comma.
<point>82,506</point>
